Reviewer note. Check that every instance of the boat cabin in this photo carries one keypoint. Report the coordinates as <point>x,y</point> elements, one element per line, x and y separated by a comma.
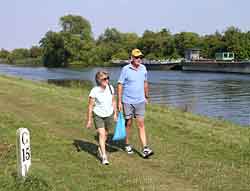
<point>226,56</point>
<point>192,54</point>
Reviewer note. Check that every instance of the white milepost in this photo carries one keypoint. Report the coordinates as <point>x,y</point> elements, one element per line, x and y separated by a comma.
<point>23,151</point>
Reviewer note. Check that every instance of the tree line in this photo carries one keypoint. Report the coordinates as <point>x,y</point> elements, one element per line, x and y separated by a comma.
<point>75,45</point>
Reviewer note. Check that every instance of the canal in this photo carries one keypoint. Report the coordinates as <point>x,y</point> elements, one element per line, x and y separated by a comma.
<point>218,95</point>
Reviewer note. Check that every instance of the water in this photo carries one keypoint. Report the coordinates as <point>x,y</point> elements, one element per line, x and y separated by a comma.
<point>218,95</point>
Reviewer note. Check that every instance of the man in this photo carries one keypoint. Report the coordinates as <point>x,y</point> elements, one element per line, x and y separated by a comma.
<point>132,97</point>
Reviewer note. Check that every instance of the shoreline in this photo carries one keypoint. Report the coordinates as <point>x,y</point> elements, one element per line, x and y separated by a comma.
<point>191,66</point>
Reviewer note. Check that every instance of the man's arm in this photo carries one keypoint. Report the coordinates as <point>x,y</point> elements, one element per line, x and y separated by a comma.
<point>146,90</point>
<point>119,95</point>
<point>114,107</point>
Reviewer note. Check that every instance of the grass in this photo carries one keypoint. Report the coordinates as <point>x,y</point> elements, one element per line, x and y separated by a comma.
<point>23,61</point>
<point>191,152</point>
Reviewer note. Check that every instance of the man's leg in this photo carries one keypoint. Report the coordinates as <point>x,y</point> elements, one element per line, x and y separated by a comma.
<point>139,112</point>
<point>128,148</point>
<point>142,132</point>
<point>146,152</point>
<point>128,112</point>
<point>128,128</point>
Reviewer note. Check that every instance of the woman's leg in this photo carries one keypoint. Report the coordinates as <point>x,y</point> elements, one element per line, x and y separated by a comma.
<point>102,140</point>
<point>109,124</point>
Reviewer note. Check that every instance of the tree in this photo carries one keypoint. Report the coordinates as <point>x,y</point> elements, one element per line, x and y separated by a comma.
<point>237,42</point>
<point>121,54</point>
<point>110,35</point>
<point>211,44</point>
<point>116,45</point>
<point>20,53</point>
<point>167,44</point>
<point>35,52</point>
<point>246,40</point>
<point>110,42</point>
<point>158,45</point>
<point>4,53</point>
<point>129,41</point>
<point>73,44</point>
<point>186,40</point>
<point>147,42</point>
<point>54,52</point>
<point>76,25</point>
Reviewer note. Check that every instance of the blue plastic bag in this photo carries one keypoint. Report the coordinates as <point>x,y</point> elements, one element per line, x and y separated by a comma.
<point>120,130</point>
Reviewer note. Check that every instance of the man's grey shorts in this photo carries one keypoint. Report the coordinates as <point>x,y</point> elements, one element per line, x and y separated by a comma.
<point>134,110</point>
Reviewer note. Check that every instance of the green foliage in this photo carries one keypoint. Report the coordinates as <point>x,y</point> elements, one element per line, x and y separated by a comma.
<point>120,55</point>
<point>54,52</point>
<point>211,44</point>
<point>129,41</point>
<point>75,45</point>
<point>109,42</point>
<point>35,52</point>
<point>237,42</point>
<point>186,40</point>
<point>4,53</point>
<point>111,35</point>
<point>20,53</point>
<point>116,45</point>
<point>76,25</point>
<point>28,61</point>
<point>22,56</point>
<point>158,45</point>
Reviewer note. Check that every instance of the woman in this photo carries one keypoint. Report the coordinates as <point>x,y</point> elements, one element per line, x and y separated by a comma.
<point>102,108</point>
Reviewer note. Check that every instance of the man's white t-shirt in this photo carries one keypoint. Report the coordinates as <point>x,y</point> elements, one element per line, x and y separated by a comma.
<point>103,100</point>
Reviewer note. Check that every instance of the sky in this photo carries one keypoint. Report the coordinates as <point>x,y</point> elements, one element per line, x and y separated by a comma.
<point>25,22</point>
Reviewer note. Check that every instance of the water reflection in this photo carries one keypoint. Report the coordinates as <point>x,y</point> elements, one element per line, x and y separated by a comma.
<point>210,95</point>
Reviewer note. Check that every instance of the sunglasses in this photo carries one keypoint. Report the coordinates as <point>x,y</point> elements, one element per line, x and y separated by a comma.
<point>104,79</point>
<point>137,57</point>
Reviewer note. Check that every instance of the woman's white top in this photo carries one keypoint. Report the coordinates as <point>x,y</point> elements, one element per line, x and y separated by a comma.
<point>103,100</point>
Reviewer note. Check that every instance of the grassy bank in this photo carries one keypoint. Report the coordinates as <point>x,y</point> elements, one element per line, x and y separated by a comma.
<point>38,62</point>
<point>23,62</point>
<point>191,152</point>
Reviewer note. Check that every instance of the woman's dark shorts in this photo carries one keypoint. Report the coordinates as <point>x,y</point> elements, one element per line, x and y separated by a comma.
<point>103,122</point>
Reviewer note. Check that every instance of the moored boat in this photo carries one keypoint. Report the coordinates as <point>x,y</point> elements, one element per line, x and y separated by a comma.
<point>217,66</point>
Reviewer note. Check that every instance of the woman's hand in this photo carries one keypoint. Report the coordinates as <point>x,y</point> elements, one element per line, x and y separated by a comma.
<point>115,117</point>
<point>89,124</point>
<point>89,113</point>
<point>120,106</point>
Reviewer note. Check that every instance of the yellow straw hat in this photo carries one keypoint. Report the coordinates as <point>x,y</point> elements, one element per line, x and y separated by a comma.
<point>136,52</point>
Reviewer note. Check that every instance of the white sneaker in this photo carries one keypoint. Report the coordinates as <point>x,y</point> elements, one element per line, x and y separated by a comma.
<point>105,161</point>
<point>129,149</point>
<point>147,152</point>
